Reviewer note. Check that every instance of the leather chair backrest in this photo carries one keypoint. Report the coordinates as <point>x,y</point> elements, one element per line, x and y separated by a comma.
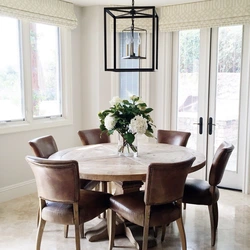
<point>44,146</point>
<point>165,181</point>
<point>56,180</point>
<point>93,136</point>
<point>219,163</point>
<point>173,137</point>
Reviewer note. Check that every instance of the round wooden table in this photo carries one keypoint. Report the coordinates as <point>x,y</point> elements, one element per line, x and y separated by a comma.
<point>101,162</point>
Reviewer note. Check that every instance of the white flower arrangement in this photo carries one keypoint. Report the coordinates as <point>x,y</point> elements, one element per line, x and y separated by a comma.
<point>128,118</point>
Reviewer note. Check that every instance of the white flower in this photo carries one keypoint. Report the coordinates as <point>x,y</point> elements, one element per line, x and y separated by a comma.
<point>115,100</point>
<point>141,104</point>
<point>140,101</point>
<point>133,97</point>
<point>138,125</point>
<point>109,122</point>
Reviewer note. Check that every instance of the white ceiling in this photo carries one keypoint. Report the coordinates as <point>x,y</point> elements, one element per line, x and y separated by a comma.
<point>156,3</point>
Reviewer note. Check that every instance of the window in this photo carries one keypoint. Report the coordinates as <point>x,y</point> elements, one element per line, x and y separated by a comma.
<point>11,94</point>
<point>32,88</point>
<point>45,70</point>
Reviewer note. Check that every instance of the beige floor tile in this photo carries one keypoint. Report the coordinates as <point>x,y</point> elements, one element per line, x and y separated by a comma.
<point>18,227</point>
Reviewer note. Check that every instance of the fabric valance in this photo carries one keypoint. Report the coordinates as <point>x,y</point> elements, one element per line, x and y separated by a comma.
<point>206,14</point>
<point>54,12</point>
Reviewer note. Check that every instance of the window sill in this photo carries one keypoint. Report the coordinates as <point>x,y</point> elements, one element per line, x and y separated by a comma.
<point>16,127</point>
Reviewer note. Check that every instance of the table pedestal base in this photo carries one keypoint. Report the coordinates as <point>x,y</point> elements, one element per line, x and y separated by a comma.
<point>135,235</point>
<point>100,232</point>
<point>133,232</point>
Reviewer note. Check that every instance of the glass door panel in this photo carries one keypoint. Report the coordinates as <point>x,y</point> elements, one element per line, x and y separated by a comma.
<point>228,89</point>
<point>188,83</point>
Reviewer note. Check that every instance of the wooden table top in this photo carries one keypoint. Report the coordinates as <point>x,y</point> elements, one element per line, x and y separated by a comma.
<point>101,162</point>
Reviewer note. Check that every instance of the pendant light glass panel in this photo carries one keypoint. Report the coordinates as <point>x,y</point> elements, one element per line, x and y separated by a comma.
<point>135,43</point>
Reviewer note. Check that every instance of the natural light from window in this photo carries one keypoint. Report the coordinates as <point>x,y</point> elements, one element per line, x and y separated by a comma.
<point>45,70</point>
<point>11,96</point>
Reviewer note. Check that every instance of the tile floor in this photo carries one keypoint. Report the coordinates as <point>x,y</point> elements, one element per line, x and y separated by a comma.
<point>18,228</point>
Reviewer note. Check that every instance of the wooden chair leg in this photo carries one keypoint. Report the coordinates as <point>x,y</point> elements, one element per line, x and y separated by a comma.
<point>163,228</point>
<point>111,221</point>
<point>182,233</point>
<point>38,217</point>
<point>77,226</point>
<point>146,228</point>
<point>41,226</point>
<point>216,215</point>
<point>155,230</point>
<point>66,230</point>
<point>77,236</point>
<point>213,213</point>
<point>82,230</point>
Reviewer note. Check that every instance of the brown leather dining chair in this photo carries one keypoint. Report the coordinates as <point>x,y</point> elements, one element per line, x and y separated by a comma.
<point>44,147</point>
<point>173,137</point>
<point>61,200</point>
<point>201,192</point>
<point>159,205</point>
<point>94,136</point>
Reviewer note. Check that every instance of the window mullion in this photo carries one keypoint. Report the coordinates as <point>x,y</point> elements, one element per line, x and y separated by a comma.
<point>26,65</point>
<point>66,74</point>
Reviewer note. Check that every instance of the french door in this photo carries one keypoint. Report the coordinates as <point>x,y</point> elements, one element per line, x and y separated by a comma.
<point>208,95</point>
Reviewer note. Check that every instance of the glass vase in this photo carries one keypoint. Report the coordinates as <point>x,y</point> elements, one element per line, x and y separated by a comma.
<point>127,149</point>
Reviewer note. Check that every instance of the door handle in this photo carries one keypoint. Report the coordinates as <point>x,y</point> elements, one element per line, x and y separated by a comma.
<point>200,125</point>
<point>210,125</point>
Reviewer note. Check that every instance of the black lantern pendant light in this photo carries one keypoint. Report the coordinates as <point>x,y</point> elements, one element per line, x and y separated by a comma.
<point>124,39</point>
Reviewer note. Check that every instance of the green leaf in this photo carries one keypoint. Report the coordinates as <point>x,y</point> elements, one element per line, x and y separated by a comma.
<point>126,102</point>
<point>129,137</point>
<point>142,105</point>
<point>148,134</point>
<point>148,110</point>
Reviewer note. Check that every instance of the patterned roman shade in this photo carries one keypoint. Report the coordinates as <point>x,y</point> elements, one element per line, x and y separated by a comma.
<point>206,14</point>
<point>53,12</point>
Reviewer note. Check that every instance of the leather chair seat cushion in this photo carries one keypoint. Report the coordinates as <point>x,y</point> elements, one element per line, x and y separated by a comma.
<point>91,204</point>
<point>132,207</point>
<point>58,212</point>
<point>198,192</point>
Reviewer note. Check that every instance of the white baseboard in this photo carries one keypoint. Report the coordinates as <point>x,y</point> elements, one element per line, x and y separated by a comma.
<point>17,190</point>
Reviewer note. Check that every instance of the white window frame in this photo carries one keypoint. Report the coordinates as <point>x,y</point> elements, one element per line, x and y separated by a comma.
<point>31,123</point>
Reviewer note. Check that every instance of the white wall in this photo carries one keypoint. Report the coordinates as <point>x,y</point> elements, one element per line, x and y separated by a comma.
<point>96,83</point>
